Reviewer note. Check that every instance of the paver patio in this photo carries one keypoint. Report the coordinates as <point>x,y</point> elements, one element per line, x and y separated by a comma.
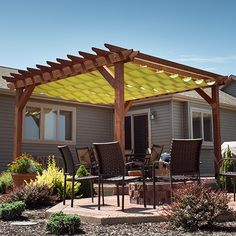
<point>111,214</point>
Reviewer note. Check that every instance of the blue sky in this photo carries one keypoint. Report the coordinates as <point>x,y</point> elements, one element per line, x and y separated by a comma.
<point>200,33</point>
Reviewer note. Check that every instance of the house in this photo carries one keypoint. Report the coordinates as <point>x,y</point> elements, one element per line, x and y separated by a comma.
<point>83,123</point>
<point>49,121</point>
<point>230,88</point>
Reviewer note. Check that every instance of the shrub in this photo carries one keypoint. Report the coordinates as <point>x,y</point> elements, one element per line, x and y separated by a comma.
<point>53,177</point>
<point>5,182</point>
<point>84,189</point>
<point>25,164</point>
<point>34,196</point>
<point>61,223</point>
<point>196,206</point>
<point>228,165</point>
<point>11,211</point>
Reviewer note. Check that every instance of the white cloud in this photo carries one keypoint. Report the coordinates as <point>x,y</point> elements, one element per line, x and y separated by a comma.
<point>206,59</point>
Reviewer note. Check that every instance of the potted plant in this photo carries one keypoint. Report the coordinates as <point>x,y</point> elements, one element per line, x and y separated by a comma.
<point>24,169</point>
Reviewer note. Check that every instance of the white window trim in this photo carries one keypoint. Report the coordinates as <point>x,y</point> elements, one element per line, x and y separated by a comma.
<point>136,113</point>
<point>41,139</point>
<point>202,110</point>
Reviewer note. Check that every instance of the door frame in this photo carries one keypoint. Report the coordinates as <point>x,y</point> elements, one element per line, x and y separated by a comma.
<point>133,113</point>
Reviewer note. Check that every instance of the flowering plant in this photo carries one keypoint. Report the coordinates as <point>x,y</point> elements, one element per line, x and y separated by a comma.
<point>53,178</point>
<point>24,164</point>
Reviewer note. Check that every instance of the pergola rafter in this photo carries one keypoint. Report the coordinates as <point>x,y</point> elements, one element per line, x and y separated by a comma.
<point>65,68</point>
<point>146,76</point>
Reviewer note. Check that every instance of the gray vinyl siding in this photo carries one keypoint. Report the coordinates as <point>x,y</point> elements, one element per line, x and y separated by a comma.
<point>161,126</point>
<point>6,129</point>
<point>231,88</point>
<point>228,125</point>
<point>179,120</point>
<point>92,125</point>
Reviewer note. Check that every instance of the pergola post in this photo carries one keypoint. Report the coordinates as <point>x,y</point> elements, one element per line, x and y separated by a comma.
<point>119,115</point>
<point>22,97</point>
<point>18,125</point>
<point>120,106</point>
<point>214,102</point>
<point>216,125</point>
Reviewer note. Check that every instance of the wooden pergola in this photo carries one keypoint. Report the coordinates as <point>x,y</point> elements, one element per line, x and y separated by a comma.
<point>115,75</point>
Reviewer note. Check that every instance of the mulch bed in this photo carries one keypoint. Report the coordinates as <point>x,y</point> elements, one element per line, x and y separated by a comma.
<point>145,229</point>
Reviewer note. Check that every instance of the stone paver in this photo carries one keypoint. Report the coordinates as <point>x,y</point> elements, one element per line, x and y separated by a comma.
<point>111,214</point>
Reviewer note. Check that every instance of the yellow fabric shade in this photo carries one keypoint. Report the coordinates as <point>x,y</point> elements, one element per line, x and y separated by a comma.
<point>140,82</point>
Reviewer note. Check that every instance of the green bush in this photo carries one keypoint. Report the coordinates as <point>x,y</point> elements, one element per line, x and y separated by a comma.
<point>11,211</point>
<point>84,189</point>
<point>59,223</point>
<point>34,196</point>
<point>5,182</point>
<point>25,164</point>
<point>53,177</point>
<point>228,165</point>
<point>196,206</point>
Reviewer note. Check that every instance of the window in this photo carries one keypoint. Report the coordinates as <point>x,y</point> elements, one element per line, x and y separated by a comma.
<point>49,123</point>
<point>32,123</point>
<point>201,125</point>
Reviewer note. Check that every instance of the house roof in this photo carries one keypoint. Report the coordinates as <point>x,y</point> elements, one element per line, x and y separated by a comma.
<point>92,77</point>
<point>225,98</point>
<point>5,71</point>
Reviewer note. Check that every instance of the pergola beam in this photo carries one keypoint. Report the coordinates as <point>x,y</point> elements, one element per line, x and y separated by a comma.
<point>171,70</point>
<point>204,95</point>
<point>128,104</point>
<point>101,52</point>
<point>44,68</point>
<point>66,68</point>
<point>168,64</point>
<point>107,74</point>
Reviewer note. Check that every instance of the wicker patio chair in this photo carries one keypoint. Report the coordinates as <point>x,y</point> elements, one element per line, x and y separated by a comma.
<point>86,157</point>
<point>112,168</point>
<point>70,173</point>
<point>227,169</point>
<point>147,159</point>
<point>184,164</point>
<point>153,156</point>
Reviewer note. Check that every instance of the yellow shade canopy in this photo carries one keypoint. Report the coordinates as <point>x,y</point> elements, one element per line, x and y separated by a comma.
<point>140,82</point>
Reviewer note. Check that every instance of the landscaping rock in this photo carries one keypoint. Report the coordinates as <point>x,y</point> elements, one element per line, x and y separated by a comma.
<point>144,229</point>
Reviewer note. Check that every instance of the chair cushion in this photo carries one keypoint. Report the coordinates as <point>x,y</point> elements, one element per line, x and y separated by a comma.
<point>176,178</point>
<point>228,173</point>
<point>135,173</point>
<point>90,177</point>
<point>119,179</point>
